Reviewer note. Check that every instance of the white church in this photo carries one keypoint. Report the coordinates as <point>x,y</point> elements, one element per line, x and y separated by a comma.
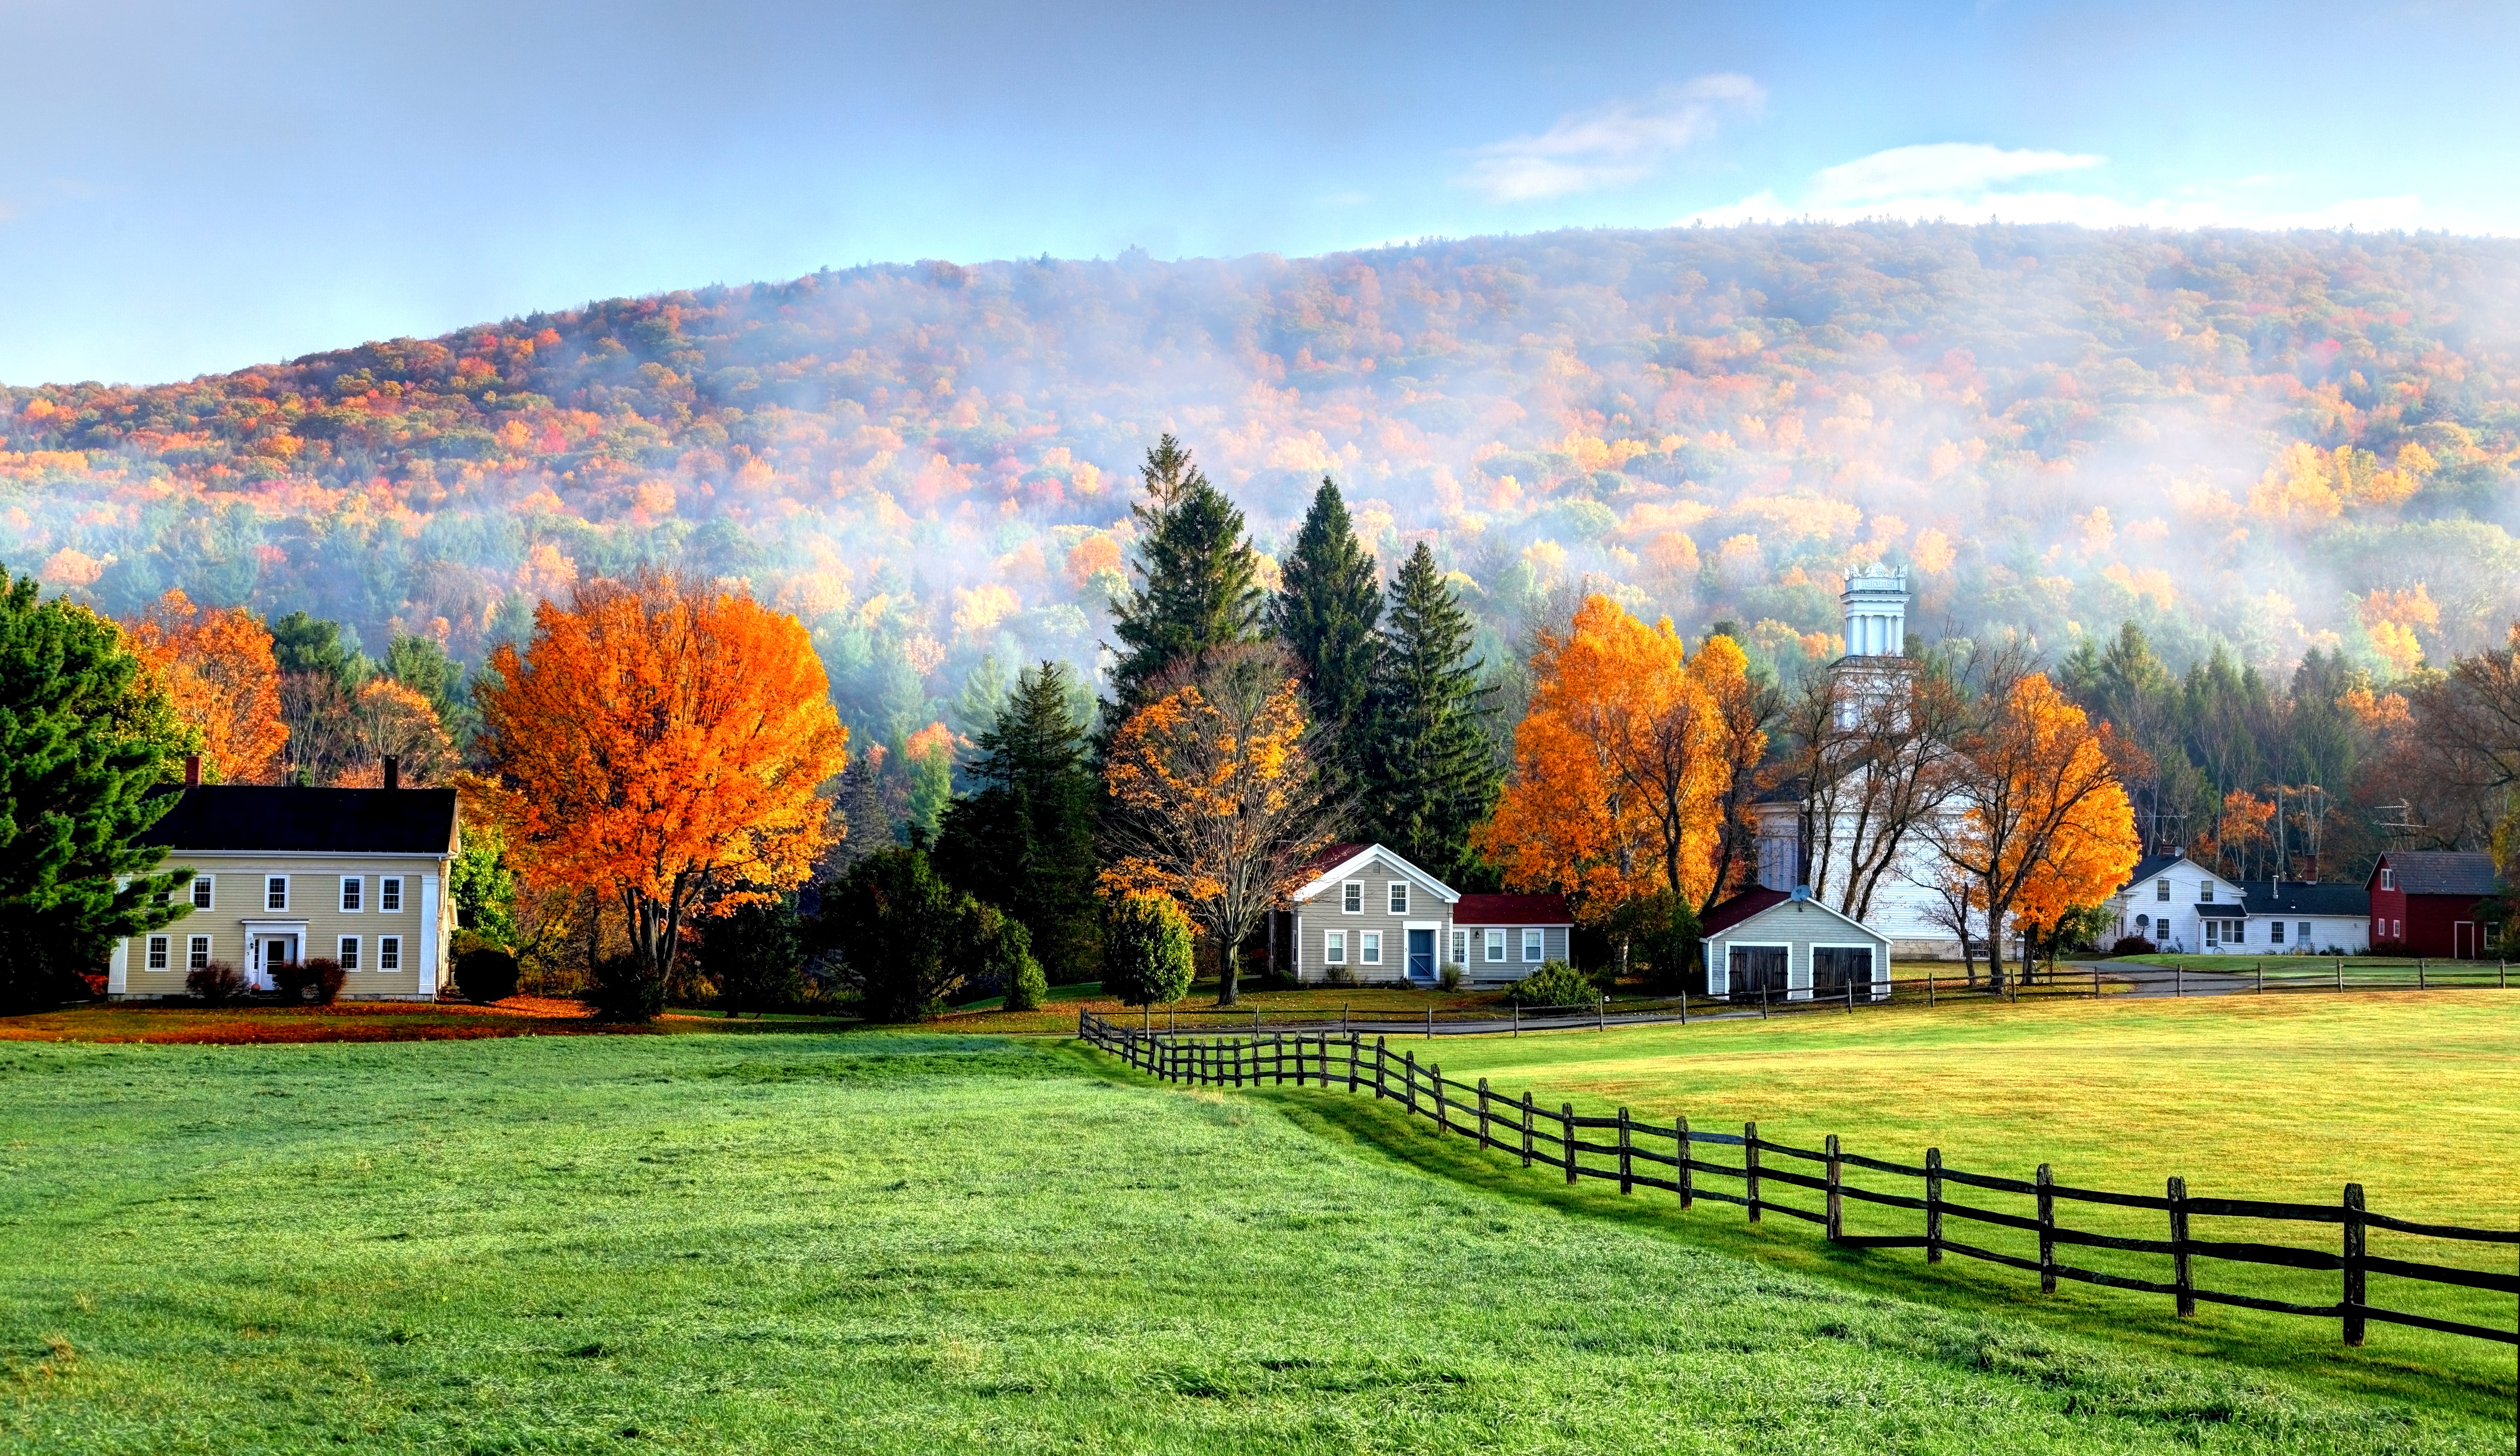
<point>1794,851</point>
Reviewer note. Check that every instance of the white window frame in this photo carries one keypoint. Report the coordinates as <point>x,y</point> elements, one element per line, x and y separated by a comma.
<point>2388,878</point>
<point>2205,892</point>
<point>2213,929</point>
<point>354,894</point>
<point>389,952</point>
<point>1395,894</point>
<point>1369,947</point>
<point>202,891</point>
<point>2301,933</point>
<point>388,894</point>
<point>197,953</point>
<point>349,950</point>
<point>1334,947</point>
<point>1535,946</point>
<point>270,880</point>
<point>159,948</point>
<point>1461,948</point>
<point>2275,932</point>
<point>1352,898</point>
<point>1493,944</point>
<point>2161,888</point>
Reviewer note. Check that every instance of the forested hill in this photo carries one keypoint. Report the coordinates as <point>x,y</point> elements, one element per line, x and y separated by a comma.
<point>2276,441</point>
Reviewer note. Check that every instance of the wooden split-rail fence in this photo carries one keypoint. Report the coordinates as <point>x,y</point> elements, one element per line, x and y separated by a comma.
<point>1694,1164</point>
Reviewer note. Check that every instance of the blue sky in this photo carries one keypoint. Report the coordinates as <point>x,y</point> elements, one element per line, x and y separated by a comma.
<point>196,189</point>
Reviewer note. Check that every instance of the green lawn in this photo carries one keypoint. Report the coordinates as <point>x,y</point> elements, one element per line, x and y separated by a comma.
<point>2361,971</point>
<point>2280,1098</point>
<point>892,1242</point>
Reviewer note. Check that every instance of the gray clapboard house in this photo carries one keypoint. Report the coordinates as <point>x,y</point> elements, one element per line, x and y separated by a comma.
<point>1369,915</point>
<point>1790,947</point>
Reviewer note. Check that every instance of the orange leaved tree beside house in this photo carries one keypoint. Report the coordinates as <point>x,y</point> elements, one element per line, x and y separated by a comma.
<point>665,745</point>
<point>1217,795</point>
<point>220,674</point>
<point>2048,828</point>
<point>1630,765</point>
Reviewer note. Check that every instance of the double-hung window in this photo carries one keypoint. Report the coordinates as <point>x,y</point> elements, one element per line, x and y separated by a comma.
<point>353,895</point>
<point>2205,892</point>
<point>2274,932</point>
<point>158,953</point>
<point>1400,897</point>
<point>2161,888</point>
<point>1352,898</point>
<point>197,955</point>
<point>201,892</point>
<point>2388,878</point>
<point>1495,945</point>
<point>390,893</point>
<point>349,957</point>
<point>2303,935</point>
<point>1335,947</point>
<point>1369,946</point>
<point>1531,945</point>
<point>389,952</point>
<point>275,892</point>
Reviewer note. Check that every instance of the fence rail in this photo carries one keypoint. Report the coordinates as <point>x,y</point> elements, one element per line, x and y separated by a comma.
<point>1667,1157</point>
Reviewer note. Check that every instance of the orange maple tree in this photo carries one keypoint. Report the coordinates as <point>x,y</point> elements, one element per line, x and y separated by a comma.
<point>218,671</point>
<point>2048,829</point>
<point>1627,763</point>
<point>1219,795</point>
<point>665,745</point>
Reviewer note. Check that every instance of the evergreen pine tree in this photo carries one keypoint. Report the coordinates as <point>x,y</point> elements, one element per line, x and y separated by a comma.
<point>1327,606</point>
<point>83,741</point>
<point>1198,570</point>
<point>1025,841</point>
<point>1430,775</point>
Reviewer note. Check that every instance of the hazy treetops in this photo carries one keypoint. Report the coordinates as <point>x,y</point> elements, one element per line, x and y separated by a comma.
<point>2281,442</point>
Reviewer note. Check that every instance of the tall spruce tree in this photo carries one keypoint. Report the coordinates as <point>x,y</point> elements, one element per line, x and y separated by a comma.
<point>1430,775</point>
<point>1025,841</point>
<point>1329,604</point>
<point>1199,572</point>
<point>84,739</point>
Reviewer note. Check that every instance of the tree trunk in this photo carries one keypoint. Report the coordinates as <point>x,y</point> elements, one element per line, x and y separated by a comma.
<point>1228,982</point>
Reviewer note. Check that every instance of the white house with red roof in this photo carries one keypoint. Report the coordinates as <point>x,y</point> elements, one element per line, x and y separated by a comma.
<point>1369,915</point>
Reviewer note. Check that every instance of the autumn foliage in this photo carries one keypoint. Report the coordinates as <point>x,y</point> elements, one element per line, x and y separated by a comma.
<point>1629,762</point>
<point>665,745</point>
<point>218,671</point>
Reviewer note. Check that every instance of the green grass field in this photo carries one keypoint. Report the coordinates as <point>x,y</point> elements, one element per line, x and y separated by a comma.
<point>919,1243</point>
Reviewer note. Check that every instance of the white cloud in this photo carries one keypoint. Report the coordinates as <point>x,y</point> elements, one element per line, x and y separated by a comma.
<point>1609,145</point>
<point>1971,182</point>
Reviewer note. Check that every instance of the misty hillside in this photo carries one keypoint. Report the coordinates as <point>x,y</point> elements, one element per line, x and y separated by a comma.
<point>2270,441</point>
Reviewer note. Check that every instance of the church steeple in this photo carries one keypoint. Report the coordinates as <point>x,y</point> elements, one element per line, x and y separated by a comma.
<point>1876,602</point>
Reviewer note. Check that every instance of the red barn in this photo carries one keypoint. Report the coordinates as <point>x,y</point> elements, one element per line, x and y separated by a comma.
<point>2426,903</point>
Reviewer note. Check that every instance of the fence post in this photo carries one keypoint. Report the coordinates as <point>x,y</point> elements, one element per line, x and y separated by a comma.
<point>1566,1125</point>
<point>2096,983</point>
<point>1687,1185</point>
<point>1684,1008</point>
<point>1379,1072</point>
<point>1850,998</point>
<point>1517,1018</point>
<point>1751,1164</point>
<point>2354,1274</point>
<point>1526,1129</point>
<point>1435,1080</point>
<point>1837,1224</point>
<point>1602,1014</point>
<point>1627,1166</point>
<point>2047,1230</point>
<point>1763,1003</point>
<point>1930,978</point>
<point>2340,973</point>
<point>1483,1112</point>
<point>1933,1206</point>
<point>2183,980</point>
<point>1430,1020</point>
<point>2419,973</point>
<point>2261,978</point>
<point>2179,1271</point>
<point>1409,1081</point>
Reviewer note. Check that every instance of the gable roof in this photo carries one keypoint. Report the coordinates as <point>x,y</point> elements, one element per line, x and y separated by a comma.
<point>1753,905</point>
<point>2440,873</point>
<point>2298,897</point>
<point>1340,861</point>
<point>1512,909</point>
<point>280,819</point>
<point>2148,866</point>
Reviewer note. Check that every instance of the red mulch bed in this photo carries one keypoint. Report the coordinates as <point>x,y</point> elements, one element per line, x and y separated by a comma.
<point>349,1021</point>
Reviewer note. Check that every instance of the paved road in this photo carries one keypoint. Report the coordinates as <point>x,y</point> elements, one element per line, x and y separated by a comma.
<point>2165,980</point>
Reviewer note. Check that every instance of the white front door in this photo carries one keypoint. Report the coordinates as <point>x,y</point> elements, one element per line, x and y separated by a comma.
<point>270,951</point>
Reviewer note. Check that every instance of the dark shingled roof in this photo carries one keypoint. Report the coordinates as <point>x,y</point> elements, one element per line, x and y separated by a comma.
<point>2294,898</point>
<point>2148,866</point>
<point>2441,873</point>
<point>1738,908</point>
<point>261,819</point>
<point>1512,909</point>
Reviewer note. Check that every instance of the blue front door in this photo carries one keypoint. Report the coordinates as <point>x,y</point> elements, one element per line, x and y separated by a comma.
<point>1421,956</point>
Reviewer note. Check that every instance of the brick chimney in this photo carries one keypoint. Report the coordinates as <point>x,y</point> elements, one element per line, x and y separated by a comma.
<point>393,771</point>
<point>192,770</point>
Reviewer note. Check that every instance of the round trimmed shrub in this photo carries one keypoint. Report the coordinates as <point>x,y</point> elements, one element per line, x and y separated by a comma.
<point>1146,950</point>
<point>2133,945</point>
<point>485,974</point>
<point>1554,984</point>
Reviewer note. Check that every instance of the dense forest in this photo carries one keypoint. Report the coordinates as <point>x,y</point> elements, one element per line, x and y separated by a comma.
<point>2288,458</point>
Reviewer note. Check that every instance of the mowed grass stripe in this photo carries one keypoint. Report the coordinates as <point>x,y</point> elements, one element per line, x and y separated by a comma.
<point>912,1244</point>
